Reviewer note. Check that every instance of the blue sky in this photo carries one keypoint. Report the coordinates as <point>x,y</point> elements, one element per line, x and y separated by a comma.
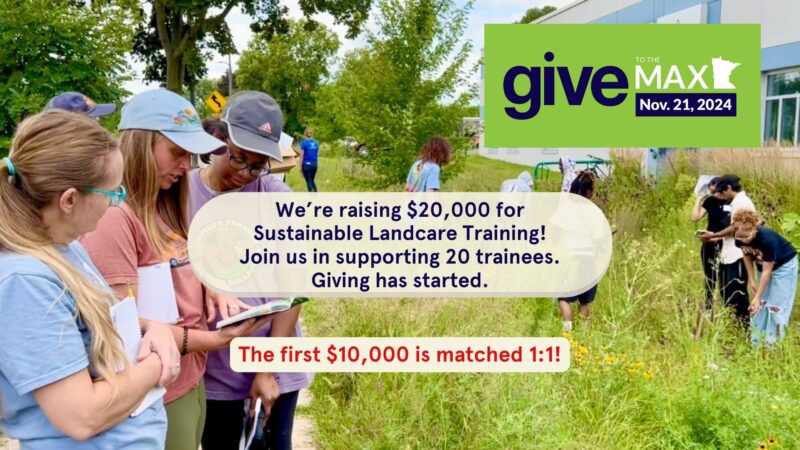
<point>484,11</point>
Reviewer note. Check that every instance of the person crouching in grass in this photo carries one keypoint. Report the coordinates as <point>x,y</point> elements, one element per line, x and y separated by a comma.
<point>774,291</point>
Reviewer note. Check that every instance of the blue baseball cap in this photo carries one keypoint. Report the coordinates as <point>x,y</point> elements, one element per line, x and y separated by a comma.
<point>79,103</point>
<point>174,117</point>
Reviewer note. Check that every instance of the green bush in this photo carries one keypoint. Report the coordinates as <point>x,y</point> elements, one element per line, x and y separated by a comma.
<point>49,47</point>
<point>401,89</point>
<point>790,225</point>
<point>5,145</point>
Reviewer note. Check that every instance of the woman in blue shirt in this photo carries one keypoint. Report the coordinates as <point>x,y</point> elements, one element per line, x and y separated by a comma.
<point>310,148</point>
<point>66,381</point>
<point>425,172</point>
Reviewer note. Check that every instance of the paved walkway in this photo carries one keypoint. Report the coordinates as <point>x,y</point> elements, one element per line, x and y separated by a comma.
<point>303,432</point>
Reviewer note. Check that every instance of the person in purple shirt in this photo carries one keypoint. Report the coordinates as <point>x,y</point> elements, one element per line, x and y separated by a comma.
<point>251,126</point>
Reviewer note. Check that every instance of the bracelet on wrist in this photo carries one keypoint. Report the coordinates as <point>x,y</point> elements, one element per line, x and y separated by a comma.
<point>185,347</point>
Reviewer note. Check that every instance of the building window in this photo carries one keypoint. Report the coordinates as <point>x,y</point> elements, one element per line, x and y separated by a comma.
<point>781,116</point>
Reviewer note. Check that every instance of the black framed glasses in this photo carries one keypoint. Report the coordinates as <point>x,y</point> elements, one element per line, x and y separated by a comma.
<point>240,164</point>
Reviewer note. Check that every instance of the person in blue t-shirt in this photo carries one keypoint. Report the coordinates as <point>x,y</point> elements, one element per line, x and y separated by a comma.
<point>310,148</point>
<point>66,380</point>
<point>424,173</point>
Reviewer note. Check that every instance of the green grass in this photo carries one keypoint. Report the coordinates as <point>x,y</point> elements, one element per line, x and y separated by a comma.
<point>342,175</point>
<point>644,381</point>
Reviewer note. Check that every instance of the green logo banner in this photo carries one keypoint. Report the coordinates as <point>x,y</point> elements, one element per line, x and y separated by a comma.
<point>622,85</point>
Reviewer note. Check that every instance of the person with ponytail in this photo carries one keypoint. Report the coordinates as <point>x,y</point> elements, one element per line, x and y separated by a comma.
<point>66,381</point>
<point>775,289</point>
<point>160,130</point>
<point>583,185</point>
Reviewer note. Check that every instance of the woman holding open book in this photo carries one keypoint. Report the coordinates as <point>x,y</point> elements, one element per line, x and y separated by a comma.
<point>251,126</point>
<point>160,131</point>
<point>66,381</point>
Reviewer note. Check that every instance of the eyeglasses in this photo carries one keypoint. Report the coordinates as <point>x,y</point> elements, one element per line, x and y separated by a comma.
<point>241,164</point>
<point>115,197</point>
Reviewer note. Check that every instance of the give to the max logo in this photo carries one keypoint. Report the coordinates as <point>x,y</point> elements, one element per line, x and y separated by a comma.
<point>608,86</point>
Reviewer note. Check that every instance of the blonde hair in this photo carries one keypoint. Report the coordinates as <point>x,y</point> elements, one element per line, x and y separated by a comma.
<point>54,151</point>
<point>146,197</point>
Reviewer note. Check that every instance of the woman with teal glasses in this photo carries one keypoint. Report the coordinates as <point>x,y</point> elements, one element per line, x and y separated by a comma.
<point>115,197</point>
<point>66,381</point>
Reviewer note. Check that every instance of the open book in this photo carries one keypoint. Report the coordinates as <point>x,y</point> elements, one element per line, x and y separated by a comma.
<point>274,306</point>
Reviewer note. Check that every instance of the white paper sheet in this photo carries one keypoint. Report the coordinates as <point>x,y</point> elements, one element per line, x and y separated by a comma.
<point>126,322</point>
<point>702,184</point>
<point>285,141</point>
<point>156,297</point>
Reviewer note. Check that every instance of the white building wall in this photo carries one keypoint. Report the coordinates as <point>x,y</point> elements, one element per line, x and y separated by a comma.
<point>780,19</point>
<point>532,156</point>
<point>585,11</point>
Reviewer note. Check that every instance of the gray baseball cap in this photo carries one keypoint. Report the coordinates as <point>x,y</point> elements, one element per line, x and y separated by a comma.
<point>254,123</point>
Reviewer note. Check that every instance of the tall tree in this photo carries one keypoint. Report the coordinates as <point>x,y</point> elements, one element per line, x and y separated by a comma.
<point>404,87</point>
<point>53,46</point>
<point>175,38</point>
<point>290,68</point>
<point>535,13</point>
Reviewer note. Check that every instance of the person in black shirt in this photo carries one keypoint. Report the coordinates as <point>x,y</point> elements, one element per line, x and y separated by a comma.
<point>718,219</point>
<point>776,259</point>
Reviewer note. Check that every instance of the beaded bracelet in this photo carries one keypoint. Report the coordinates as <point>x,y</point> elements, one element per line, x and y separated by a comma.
<point>185,348</point>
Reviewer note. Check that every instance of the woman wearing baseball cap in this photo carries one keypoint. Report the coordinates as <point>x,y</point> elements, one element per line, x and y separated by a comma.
<point>251,126</point>
<point>160,130</point>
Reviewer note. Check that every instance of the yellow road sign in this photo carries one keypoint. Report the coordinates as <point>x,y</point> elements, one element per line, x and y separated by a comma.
<point>216,101</point>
